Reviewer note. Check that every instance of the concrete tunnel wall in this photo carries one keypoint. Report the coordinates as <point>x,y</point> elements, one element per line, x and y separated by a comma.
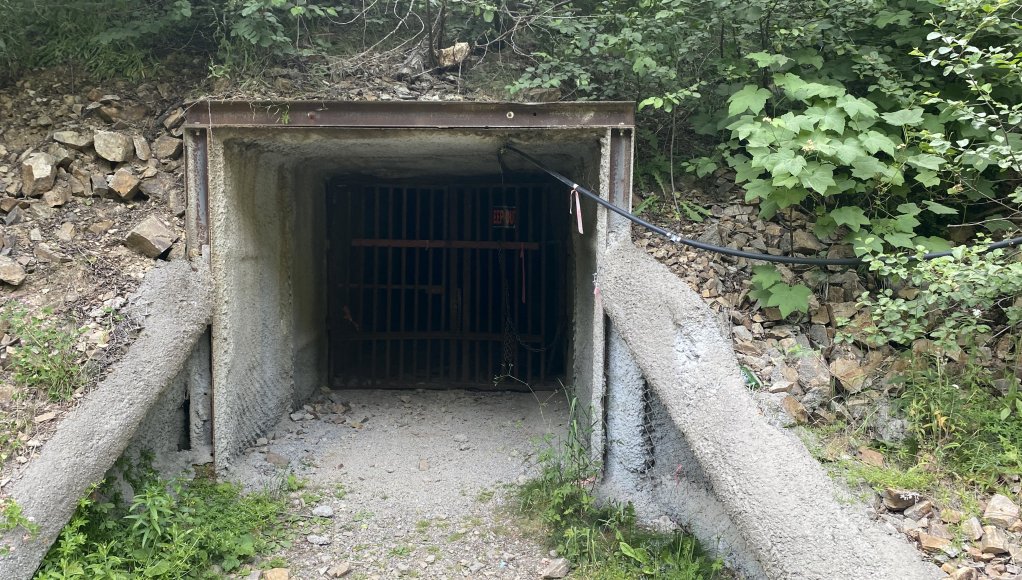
<point>267,229</point>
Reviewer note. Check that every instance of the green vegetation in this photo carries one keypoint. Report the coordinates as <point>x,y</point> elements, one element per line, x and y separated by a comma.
<point>964,435</point>
<point>961,424</point>
<point>169,529</point>
<point>45,358</point>
<point>603,541</point>
<point>12,518</point>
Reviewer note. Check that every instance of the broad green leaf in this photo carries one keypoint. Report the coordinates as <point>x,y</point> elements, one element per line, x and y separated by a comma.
<point>764,59</point>
<point>900,240</point>
<point>857,107</point>
<point>938,208</point>
<point>850,216</point>
<point>927,178</point>
<point>932,243</point>
<point>818,177</point>
<point>868,168</point>
<point>903,117</point>
<point>809,57</point>
<point>773,159</point>
<point>833,120</point>
<point>750,98</point>
<point>793,166</point>
<point>875,141</point>
<point>906,223</point>
<point>809,90</point>
<point>785,197</point>
<point>789,82</point>
<point>824,227</point>
<point>744,171</point>
<point>757,189</point>
<point>765,276</point>
<point>864,243</point>
<point>789,299</point>
<point>848,150</point>
<point>926,161</point>
<point>909,208</point>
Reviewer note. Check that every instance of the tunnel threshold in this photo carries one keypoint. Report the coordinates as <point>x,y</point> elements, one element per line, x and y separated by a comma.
<point>391,245</point>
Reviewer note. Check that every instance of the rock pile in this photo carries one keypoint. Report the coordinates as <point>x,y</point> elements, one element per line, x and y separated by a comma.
<point>81,170</point>
<point>971,548</point>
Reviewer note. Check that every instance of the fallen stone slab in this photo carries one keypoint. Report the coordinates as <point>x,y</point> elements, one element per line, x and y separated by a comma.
<point>73,140</point>
<point>167,147</point>
<point>11,271</point>
<point>38,174</point>
<point>151,238</point>
<point>113,146</point>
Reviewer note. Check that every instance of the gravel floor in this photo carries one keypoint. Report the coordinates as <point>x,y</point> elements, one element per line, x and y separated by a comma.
<point>416,482</point>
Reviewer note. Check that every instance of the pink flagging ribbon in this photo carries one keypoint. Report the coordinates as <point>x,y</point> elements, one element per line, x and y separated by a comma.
<point>578,206</point>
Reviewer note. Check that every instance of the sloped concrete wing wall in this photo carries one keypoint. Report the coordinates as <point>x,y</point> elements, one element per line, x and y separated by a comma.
<point>773,498</point>
<point>89,441</point>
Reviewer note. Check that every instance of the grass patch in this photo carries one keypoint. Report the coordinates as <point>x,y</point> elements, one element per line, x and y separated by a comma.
<point>44,358</point>
<point>603,541</point>
<point>169,529</point>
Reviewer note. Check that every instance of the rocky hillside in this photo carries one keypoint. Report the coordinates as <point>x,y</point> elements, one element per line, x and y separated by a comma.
<point>91,182</point>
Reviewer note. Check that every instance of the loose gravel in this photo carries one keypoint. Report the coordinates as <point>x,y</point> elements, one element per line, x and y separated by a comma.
<point>408,483</point>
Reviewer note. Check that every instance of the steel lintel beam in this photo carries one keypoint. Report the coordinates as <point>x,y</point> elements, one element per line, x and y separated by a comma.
<point>410,114</point>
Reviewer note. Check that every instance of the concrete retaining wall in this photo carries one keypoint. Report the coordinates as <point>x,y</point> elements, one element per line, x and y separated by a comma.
<point>744,487</point>
<point>100,429</point>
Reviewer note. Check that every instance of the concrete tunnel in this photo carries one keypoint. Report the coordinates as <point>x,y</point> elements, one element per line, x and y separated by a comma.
<point>390,245</point>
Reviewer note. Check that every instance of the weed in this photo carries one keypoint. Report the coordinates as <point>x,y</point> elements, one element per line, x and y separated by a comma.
<point>340,491</point>
<point>45,359</point>
<point>603,541</point>
<point>169,529</point>
<point>958,424</point>
<point>11,518</point>
<point>401,551</point>
<point>422,525</point>
<point>294,483</point>
<point>485,496</point>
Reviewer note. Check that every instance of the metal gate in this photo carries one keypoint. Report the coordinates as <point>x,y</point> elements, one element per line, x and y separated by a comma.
<point>449,285</point>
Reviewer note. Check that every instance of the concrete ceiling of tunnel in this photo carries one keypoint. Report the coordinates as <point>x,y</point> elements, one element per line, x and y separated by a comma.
<point>399,153</point>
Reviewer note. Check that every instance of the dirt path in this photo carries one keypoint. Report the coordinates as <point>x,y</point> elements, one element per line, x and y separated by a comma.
<point>416,481</point>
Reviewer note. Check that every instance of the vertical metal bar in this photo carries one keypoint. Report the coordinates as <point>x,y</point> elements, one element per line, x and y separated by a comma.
<point>407,285</point>
<point>430,193</point>
<point>466,295</point>
<point>374,293</point>
<point>477,278</point>
<point>389,286</point>
<point>542,292</point>
<point>526,233</point>
<point>197,165</point>
<point>452,317</point>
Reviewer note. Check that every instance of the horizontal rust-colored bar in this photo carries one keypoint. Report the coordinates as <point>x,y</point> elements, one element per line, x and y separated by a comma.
<point>442,244</point>
<point>409,114</point>
<point>427,288</point>
<point>485,336</point>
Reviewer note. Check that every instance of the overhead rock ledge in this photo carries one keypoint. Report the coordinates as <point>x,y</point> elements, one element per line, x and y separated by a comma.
<point>783,506</point>
<point>89,441</point>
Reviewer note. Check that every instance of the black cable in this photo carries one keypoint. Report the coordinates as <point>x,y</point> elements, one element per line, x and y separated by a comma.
<point>714,248</point>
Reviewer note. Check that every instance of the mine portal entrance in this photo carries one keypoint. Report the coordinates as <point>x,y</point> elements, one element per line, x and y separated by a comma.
<point>447,284</point>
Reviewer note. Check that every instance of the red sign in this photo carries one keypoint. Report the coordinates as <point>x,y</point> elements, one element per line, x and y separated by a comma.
<point>502,216</point>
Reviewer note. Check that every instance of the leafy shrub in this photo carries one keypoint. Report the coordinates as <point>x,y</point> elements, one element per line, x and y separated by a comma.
<point>954,300</point>
<point>45,358</point>
<point>170,529</point>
